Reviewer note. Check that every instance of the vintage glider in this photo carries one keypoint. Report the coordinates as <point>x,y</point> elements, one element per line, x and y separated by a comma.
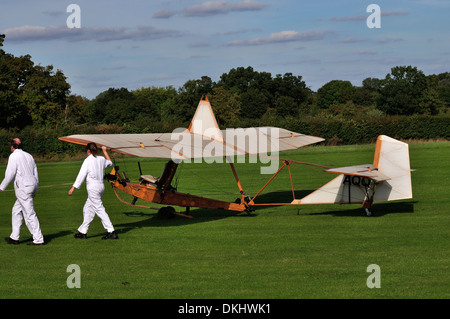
<point>387,178</point>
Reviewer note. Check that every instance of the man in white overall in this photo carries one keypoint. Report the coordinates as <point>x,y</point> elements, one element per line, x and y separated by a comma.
<point>92,171</point>
<point>22,170</point>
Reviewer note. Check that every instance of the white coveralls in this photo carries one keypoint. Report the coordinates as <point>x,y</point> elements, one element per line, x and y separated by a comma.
<point>22,170</point>
<point>92,171</point>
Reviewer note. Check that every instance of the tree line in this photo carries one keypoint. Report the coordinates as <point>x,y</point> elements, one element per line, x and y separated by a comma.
<point>35,97</point>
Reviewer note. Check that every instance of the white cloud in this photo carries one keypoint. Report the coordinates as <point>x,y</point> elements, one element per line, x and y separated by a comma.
<point>199,44</point>
<point>351,40</point>
<point>281,37</point>
<point>100,34</point>
<point>363,17</point>
<point>389,40</point>
<point>209,8</point>
<point>367,52</point>
<point>30,33</point>
<point>164,14</point>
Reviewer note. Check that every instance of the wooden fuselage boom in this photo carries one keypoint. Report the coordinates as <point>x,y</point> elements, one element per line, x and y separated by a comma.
<point>152,194</point>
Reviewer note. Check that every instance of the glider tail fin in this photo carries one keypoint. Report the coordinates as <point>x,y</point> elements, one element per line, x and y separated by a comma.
<point>389,178</point>
<point>392,159</point>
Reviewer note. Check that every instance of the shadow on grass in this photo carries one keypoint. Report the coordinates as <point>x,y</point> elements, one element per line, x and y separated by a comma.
<point>207,215</point>
<point>378,210</point>
<point>198,216</point>
<point>49,237</point>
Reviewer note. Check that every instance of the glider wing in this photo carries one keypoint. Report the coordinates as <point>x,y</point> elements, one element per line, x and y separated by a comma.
<point>203,139</point>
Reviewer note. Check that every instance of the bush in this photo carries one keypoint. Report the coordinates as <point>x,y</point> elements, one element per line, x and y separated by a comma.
<point>366,130</point>
<point>44,142</point>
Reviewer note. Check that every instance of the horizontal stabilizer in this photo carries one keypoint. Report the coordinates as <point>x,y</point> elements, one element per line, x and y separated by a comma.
<point>360,170</point>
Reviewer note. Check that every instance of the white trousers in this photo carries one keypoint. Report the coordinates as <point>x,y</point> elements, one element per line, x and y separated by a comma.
<point>94,206</point>
<point>24,209</point>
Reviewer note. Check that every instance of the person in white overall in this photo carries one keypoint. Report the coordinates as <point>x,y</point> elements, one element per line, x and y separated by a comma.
<point>22,170</point>
<point>92,171</point>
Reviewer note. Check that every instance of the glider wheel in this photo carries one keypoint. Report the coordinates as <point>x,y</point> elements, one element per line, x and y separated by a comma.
<point>166,212</point>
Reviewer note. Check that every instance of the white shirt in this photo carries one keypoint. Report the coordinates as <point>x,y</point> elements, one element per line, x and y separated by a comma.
<point>21,167</point>
<point>92,170</point>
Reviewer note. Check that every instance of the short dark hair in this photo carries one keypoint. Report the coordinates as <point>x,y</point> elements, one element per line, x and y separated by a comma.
<point>15,144</point>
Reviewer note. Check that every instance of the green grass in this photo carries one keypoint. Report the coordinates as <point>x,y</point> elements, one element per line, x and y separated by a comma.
<point>311,251</point>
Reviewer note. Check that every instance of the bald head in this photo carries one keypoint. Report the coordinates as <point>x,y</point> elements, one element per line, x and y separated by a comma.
<point>16,143</point>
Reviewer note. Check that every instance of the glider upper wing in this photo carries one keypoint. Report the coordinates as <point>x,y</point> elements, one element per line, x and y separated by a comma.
<point>141,145</point>
<point>203,138</point>
<point>186,145</point>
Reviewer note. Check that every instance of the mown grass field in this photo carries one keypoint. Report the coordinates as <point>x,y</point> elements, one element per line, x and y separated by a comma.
<point>286,252</point>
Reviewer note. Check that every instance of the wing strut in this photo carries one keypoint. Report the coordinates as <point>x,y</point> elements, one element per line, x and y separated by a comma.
<point>285,163</point>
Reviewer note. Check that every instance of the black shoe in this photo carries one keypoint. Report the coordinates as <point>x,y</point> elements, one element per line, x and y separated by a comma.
<point>11,241</point>
<point>34,244</point>
<point>80,235</point>
<point>111,235</point>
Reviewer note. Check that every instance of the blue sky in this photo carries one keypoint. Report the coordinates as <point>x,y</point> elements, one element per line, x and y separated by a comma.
<point>139,43</point>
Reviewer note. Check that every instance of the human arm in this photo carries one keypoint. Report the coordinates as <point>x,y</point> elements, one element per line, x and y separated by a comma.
<point>106,153</point>
<point>10,173</point>
<point>109,161</point>
<point>36,173</point>
<point>80,177</point>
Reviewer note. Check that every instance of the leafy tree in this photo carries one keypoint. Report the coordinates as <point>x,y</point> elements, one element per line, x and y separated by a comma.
<point>113,106</point>
<point>30,93</point>
<point>286,106</point>
<point>188,97</point>
<point>237,80</point>
<point>290,85</point>
<point>444,89</point>
<point>45,95</point>
<point>13,78</point>
<point>75,105</point>
<point>334,92</point>
<point>440,83</point>
<point>430,103</point>
<point>372,84</point>
<point>2,39</point>
<point>226,107</point>
<point>362,96</point>
<point>346,110</point>
<point>258,91</point>
<point>402,91</point>
<point>150,100</point>
<point>290,94</point>
<point>254,103</point>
